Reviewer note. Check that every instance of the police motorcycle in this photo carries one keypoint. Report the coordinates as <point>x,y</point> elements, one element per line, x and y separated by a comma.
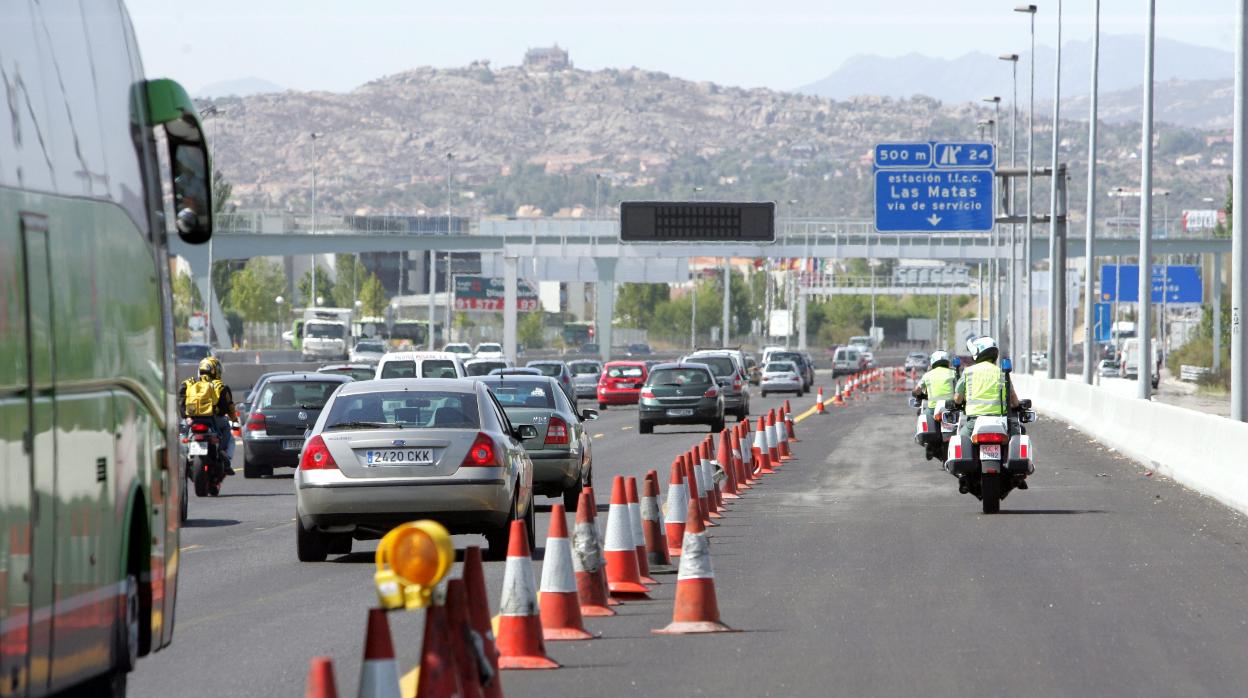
<point>990,463</point>
<point>205,455</point>
<point>931,431</point>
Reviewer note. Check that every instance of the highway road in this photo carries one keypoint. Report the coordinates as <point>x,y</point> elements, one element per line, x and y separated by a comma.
<point>855,570</point>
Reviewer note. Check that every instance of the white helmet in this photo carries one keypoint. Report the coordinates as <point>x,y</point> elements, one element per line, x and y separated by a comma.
<point>982,348</point>
<point>938,356</point>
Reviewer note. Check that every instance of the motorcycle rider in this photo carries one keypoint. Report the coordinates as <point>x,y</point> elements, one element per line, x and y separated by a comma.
<point>209,384</point>
<point>982,390</point>
<point>938,382</point>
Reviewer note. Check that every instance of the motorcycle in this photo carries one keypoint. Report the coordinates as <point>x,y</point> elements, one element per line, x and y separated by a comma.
<point>205,456</point>
<point>991,463</point>
<point>931,431</point>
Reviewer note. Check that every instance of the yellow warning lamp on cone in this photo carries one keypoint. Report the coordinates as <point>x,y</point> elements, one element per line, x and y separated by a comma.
<point>411,560</point>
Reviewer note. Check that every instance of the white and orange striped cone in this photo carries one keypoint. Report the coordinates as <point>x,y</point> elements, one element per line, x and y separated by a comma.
<point>658,559</point>
<point>677,504</point>
<point>773,443</point>
<point>473,574</point>
<point>693,476</point>
<point>439,674</point>
<point>321,683</point>
<point>602,558</point>
<point>379,673</point>
<point>520,644</point>
<point>762,457</point>
<point>561,608</point>
<point>463,645</point>
<point>820,408</point>
<point>639,535</point>
<point>782,436</point>
<point>789,424</point>
<point>708,478</point>
<point>591,585</point>
<point>738,459</point>
<point>723,455</point>
<point>696,609</point>
<point>748,463</point>
<point>623,573</point>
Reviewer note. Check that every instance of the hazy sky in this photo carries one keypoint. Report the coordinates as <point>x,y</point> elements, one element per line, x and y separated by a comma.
<point>319,44</point>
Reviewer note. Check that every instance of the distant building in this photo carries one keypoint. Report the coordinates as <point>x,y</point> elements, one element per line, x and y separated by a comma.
<point>546,60</point>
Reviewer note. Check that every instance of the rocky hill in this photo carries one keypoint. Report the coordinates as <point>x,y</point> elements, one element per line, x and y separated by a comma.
<point>528,142</point>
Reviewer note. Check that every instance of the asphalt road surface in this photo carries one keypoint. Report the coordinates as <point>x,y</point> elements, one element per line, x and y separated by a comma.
<point>855,570</point>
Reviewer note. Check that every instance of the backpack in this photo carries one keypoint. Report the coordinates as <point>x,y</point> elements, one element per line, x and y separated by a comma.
<point>202,397</point>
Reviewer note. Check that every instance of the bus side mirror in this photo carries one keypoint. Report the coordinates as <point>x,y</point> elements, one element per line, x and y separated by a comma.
<point>168,105</point>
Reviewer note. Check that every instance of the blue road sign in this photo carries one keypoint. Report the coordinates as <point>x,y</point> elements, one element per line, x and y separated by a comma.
<point>1102,322</point>
<point>1182,284</point>
<point>934,187</point>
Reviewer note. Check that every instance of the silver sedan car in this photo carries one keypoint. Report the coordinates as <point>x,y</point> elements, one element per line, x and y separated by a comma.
<point>384,452</point>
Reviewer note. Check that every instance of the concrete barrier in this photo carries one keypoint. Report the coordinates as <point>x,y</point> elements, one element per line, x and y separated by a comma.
<point>1201,451</point>
<point>240,377</point>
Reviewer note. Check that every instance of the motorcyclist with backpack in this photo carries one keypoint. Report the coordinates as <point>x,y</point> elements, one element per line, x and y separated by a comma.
<point>984,389</point>
<point>208,396</point>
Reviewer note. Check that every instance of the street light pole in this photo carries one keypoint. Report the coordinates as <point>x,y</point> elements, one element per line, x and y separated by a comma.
<point>1088,258</point>
<point>446,328</point>
<point>1012,273</point>
<point>994,264</point>
<point>1031,169</point>
<point>1144,329</point>
<point>1057,272</point>
<point>315,136</point>
<point>1239,221</point>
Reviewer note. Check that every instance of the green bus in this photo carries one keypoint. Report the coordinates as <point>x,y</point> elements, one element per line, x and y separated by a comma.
<point>90,481</point>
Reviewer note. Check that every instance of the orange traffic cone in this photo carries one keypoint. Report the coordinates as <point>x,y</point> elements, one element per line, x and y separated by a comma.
<point>748,463</point>
<point>321,683</point>
<point>677,504</point>
<point>460,633</point>
<point>623,573</point>
<point>762,455</point>
<point>695,485</point>
<point>520,643</point>
<point>782,435</point>
<point>591,587</point>
<point>703,453</point>
<point>657,557</point>
<point>788,422</point>
<point>439,674</point>
<point>723,454</point>
<point>639,536</point>
<point>773,444</point>
<point>379,674</point>
<point>738,460</point>
<point>602,558</point>
<point>473,575</point>
<point>561,610</point>
<point>696,609</point>
<point>819,406</point>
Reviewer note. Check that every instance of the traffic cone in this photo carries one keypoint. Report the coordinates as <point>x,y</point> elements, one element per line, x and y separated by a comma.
<point>788,422</point>
<point>694,477</point>
<point>703,454</point>
<point>819,406</point>
<point>762,456</point>
<point>379,674</point>
<point>724,455</point>
<point>677,504</point>
<point>837,397</point>
<point>738,459</point>
<point>708,458</point>
<point>463,645</point>
<point>639,536</point>
<point>748,463</point>
<point>473,575</point>
<point>561,610</point>
<point>602,558</point>
<point>520,644</point>
<point>623,572</point>
<point>652,529</point>
<point>439,673</point>
<point>696,609</point>
<point>591,587</point>
<point>782,436</point>
<point>321,683</point>
<point>773,441</point>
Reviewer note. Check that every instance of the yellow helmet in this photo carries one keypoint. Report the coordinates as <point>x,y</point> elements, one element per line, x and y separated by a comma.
<point>210,366</point>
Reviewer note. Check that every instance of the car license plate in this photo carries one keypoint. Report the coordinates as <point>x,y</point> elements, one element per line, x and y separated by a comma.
<point>400,456</point>
<point>292,444</point>
<point>680,413</point>
<point>990,452</point>
<point>196,448</point>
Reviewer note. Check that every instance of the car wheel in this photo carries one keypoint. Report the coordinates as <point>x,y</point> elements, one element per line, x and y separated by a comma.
<point>800,393</point>
<point>764,393</point>
<point>645,427</point>
<point>252,471</point>
<point>572,496</point>
<point>718,426</point>
<point>311,546</point>
<point>530,525</point>
<point>496,542</point>
<point>602,407</point>
<point>340,545</point>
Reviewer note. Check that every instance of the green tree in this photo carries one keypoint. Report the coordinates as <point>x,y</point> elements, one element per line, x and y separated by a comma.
<point>324,286</point>
<point>349,278</point>
<point>256,288</point>
<point>373,297</point>
<point>529,331</point>
<point>635,303</point>
<point>222,192</point>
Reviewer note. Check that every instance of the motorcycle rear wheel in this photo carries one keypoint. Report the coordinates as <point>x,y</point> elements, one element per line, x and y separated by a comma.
<point>990,491</point>
<point>201,478</point>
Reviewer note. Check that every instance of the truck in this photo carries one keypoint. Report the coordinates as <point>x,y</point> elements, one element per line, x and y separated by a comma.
<point>1129,361</point>
<point>326,334</point>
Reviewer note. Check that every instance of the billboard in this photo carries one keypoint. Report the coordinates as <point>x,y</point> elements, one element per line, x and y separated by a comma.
<point>1200,220</point>
<point>483,295</point>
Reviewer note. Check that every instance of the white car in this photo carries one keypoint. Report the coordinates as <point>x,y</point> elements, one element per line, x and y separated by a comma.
<point>420,364</point>
<point>489,350</point>
<point>461,349</point>
<point>368,351</point>
<point>782,377</point>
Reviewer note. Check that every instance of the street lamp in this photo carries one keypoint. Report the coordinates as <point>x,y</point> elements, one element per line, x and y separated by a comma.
<point>1012,273</point>
<point>1143,325</point>
<point>1031,118</point>
<point>994,264</point>
<point>1090,234</point>
<point>1057,273</point>
<point>446,328</point>
<point>315,135</point>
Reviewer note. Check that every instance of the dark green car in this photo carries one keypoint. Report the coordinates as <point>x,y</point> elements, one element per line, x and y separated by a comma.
<point>562,450</point>
<point>681,393</point>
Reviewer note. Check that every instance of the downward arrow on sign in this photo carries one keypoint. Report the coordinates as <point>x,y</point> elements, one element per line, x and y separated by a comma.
<point>933,219</point>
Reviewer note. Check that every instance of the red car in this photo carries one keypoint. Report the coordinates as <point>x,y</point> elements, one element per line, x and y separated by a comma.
<point>621,383</point>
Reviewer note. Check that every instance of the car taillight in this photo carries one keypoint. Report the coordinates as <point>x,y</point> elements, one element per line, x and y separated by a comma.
<point>989,438</point>
<point>256,423</point>
<point>199,427</point>
<point>483,454</point>
<point>736,384</point>
<point>1022,450</point>
<point>957,452</point>
<point>711,393</point>
<point>647,393</point>
<point>316,456</point>
<point>556,432</point>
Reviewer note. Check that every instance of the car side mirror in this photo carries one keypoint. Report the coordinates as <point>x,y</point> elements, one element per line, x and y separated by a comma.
<point>526,431</point>
<point>588,414</point>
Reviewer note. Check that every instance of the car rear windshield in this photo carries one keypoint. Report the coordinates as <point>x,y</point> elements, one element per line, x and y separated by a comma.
<point>680,376</point>
<point>719,365</point>
<point>624,372</point>
<point>305,395</point>
<point>370,346</point>
<point>191,352</point>
<point>359,374</point>
<point>490,347</point>
<point>787,356</point>
<point>551,370</point>
<point>427,409</point>
<point>320,329</point>
<point>585,369</point>
<point>483,368</point>
<point>522,393</point>
<point>780,367</point>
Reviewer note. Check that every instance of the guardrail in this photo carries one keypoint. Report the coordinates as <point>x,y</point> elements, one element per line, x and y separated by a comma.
<point>1191,374</point>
